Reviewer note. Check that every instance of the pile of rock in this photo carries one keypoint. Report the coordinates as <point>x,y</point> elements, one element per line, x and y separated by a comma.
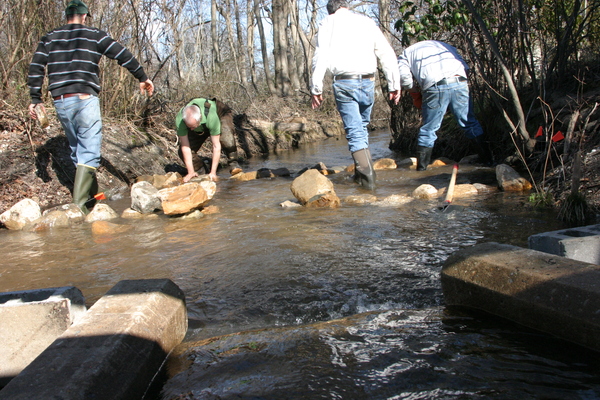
<point>150,195</point>
<point>169,195</point>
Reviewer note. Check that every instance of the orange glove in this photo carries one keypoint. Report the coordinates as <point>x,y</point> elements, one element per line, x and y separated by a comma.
<point>417,99</point>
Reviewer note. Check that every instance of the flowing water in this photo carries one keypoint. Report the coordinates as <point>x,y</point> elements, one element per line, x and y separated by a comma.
<point>258,265</point>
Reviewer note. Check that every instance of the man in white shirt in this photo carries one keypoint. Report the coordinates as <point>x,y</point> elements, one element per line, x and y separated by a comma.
<point>441,74</point>
<point>349,45</point>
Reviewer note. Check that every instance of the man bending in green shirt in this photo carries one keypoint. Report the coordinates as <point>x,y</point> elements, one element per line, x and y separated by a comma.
<point>195,122</point>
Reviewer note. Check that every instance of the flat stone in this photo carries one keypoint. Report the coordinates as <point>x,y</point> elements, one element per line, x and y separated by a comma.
<point>113,351</point>
<point>549,293</point>
<point>30,321</point>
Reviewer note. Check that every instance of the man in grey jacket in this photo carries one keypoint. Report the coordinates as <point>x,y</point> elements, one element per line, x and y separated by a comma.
<point>441,74</point>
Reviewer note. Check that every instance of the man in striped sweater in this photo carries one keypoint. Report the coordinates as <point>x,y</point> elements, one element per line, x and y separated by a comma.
<point>70,55</point>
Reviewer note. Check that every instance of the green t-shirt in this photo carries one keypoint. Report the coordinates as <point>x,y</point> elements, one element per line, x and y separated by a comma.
<point>209,121</point>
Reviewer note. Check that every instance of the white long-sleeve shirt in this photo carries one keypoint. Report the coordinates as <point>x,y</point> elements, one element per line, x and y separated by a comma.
<point>350,43</point>
<point>429,62</point>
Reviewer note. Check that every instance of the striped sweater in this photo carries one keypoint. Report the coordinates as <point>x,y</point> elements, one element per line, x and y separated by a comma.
<point>71,55</point>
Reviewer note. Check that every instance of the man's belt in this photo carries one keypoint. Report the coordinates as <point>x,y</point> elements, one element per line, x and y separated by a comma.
<point>66,96</point>
<point>353,76</point>
<point>454,79</point>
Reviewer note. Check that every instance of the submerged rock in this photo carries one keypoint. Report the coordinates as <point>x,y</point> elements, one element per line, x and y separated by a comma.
<point>394,200</point>
<point>130,213</point>
<point>108,228</point>
<point>290,204</point>
<point>360,199</point>
<point>460,191</point>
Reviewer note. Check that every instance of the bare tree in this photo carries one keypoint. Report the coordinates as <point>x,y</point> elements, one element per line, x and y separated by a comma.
<point>279,17</point>
<point>258,7</point>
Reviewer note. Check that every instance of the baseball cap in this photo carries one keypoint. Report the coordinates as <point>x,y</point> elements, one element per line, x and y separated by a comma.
<point>76,7</point>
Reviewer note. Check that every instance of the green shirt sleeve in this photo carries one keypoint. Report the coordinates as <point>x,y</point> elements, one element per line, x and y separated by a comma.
<point>210,121</point>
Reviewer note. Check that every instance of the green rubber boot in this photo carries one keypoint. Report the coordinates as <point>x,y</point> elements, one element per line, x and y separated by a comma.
<point>85,187</point>
<point>364,173</point>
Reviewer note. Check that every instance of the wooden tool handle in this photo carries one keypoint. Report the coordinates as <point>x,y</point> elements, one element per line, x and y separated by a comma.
<point>450,191</point>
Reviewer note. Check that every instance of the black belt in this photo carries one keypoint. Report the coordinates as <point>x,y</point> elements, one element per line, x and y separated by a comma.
<point>454,79</point>
<point>353,76</point>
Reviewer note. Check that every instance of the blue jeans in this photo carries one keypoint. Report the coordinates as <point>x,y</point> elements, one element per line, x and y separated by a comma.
<point>436,101</point>
<point>82,123</point>
<point>354,99</point>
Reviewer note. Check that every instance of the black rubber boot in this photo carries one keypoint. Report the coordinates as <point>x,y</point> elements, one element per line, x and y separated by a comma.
<point>234,167</point>
<point>364,173</point>
<point>423,157</point>
<point>483,150</point>
<point>85,187</point>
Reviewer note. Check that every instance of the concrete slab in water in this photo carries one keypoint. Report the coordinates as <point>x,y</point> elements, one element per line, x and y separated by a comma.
<point>550,293</point>
<point>30,320</point>
<point>114,351</point>
<point>580,243</point>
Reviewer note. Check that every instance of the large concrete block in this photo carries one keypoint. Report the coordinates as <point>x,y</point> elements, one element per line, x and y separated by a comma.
<point>30,321</point>
<point>581,243</point>
<point>114,351</point>
<point>553,294</point>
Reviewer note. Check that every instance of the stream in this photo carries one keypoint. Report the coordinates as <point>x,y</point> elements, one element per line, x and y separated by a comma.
<point>322,303</point>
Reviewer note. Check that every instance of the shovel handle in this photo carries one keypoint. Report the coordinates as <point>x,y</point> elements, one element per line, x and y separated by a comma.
<point>450,191</point>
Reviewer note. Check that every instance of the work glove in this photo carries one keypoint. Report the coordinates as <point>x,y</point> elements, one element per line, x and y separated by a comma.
<point>417,99</point>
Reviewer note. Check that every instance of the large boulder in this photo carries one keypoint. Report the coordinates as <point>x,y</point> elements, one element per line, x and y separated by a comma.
<point>187,197</point>
<point>509,180</point>
<point>21,214</point>
<point>313,189</point>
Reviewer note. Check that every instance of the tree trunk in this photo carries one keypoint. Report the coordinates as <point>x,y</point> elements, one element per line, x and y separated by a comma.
<point>250,25</point>
<point>295,61</point>
<point>282,75</point>
<point>230,36</point>
<point>243,56</point>
<point>263,46</point>
<point>216,52</point>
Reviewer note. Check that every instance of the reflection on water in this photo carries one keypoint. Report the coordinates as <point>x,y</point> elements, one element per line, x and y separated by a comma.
<point>257,265</point>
